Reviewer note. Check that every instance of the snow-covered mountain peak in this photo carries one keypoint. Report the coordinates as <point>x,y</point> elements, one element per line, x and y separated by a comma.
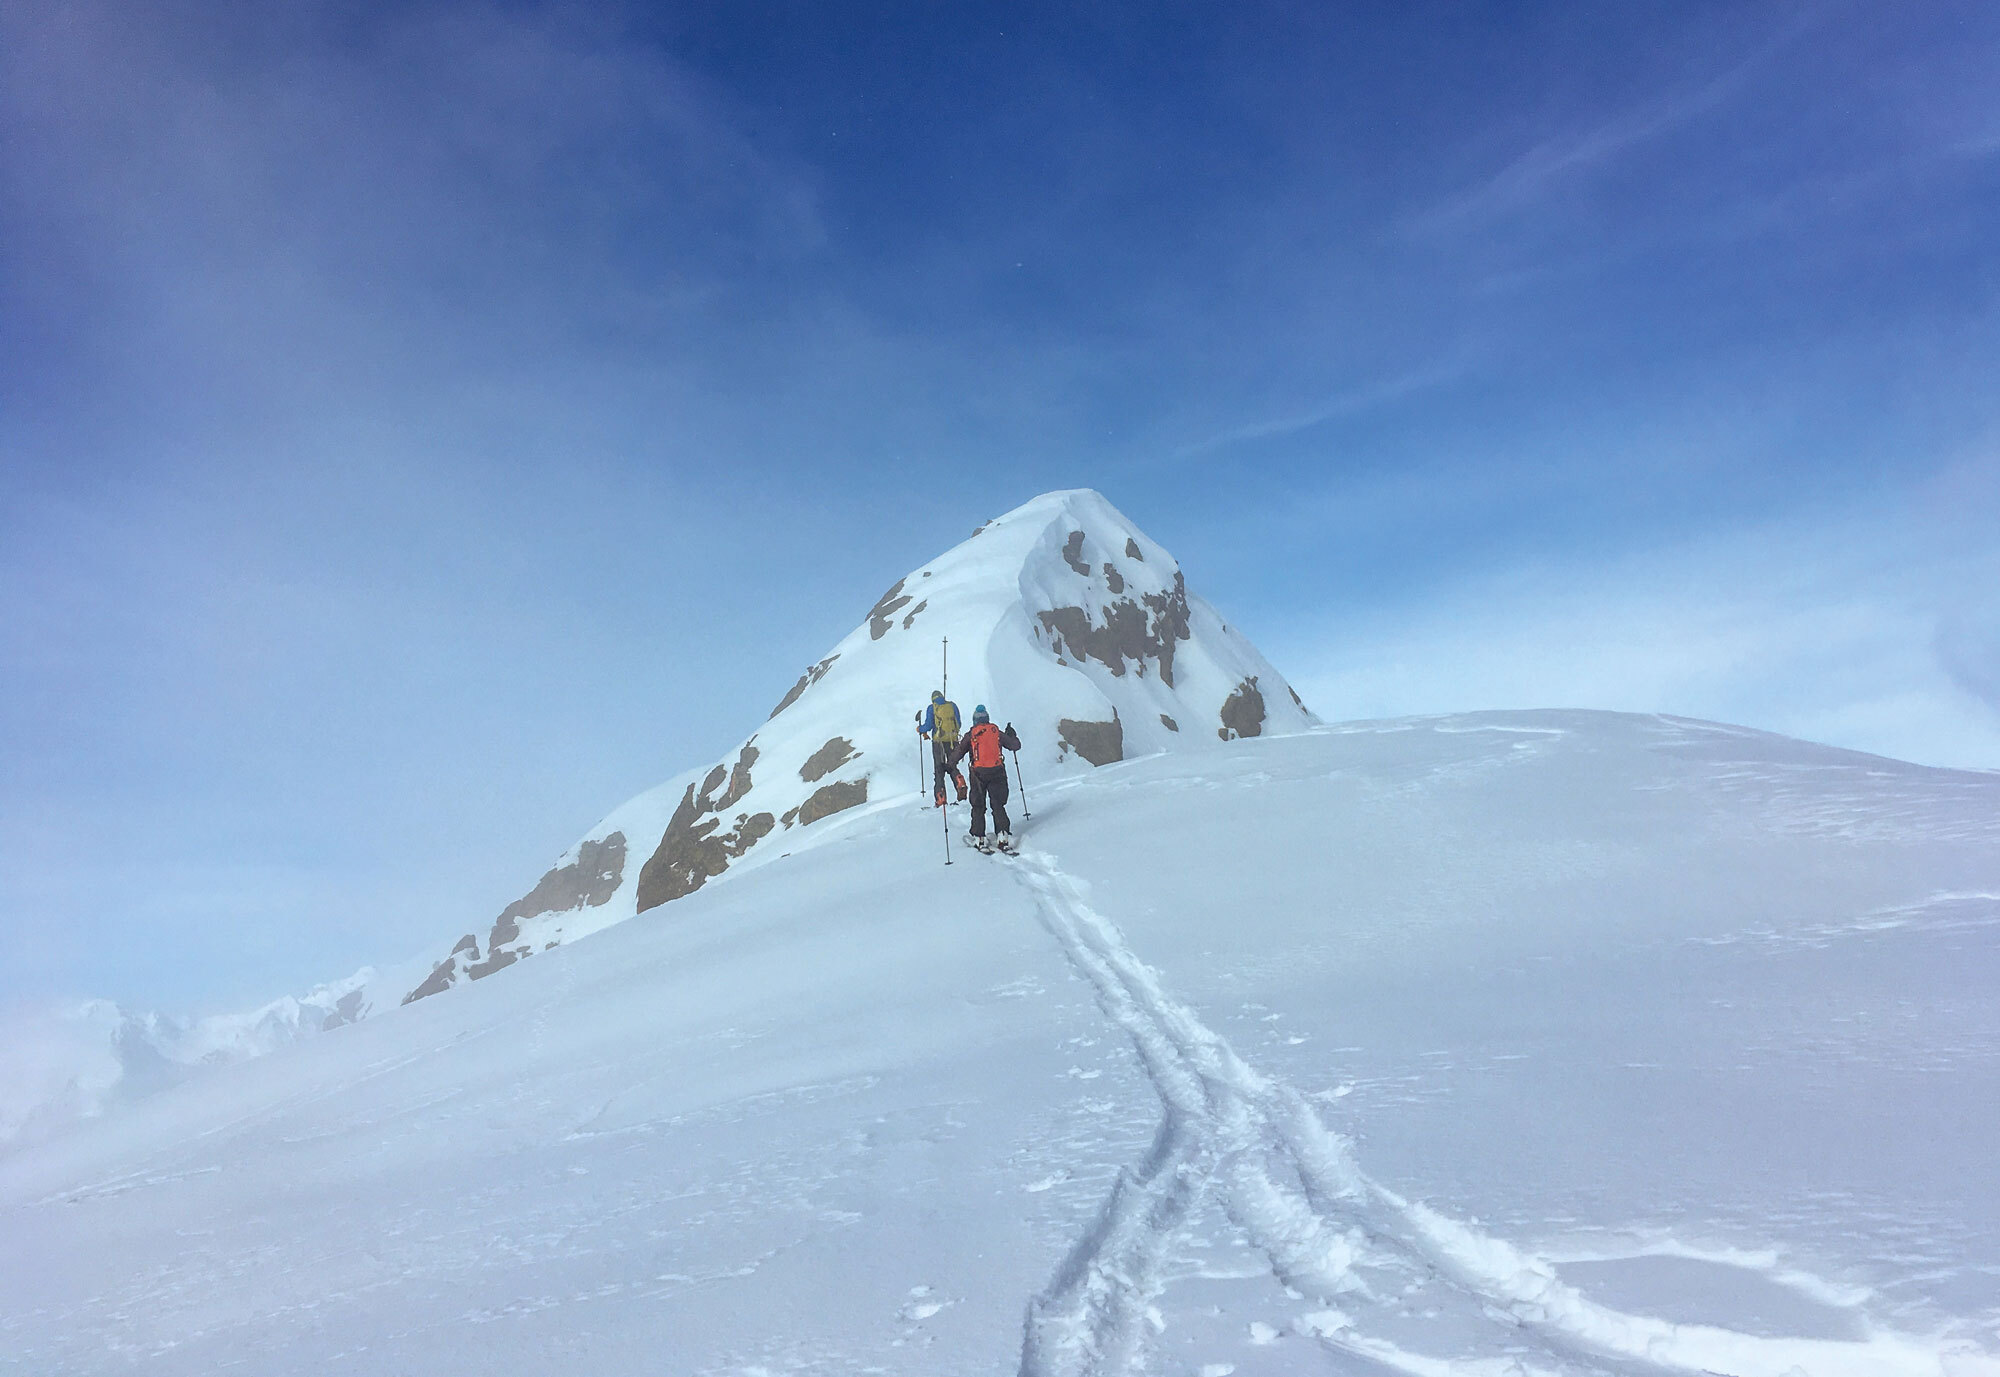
<point>1060,616</point>
<point>1061,611</point>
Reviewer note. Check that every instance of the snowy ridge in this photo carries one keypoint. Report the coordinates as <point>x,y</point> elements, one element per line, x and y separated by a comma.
<point>1332,1234</point>
<point>1061,616</point>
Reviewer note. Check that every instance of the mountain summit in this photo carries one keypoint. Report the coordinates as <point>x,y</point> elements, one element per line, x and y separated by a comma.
<point>1061,616</point>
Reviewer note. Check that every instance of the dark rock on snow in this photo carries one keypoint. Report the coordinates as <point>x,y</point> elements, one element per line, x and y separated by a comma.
<point>739,777</point>
<point>695,849</point>
<point>591,880</point>
<point>884,612</point>
<point>1242,711</point>
<point>1101,743</point>
<point>832,799</point>
<point>445,974</point>
<point>827,759</point>
<point>1129,631</point>
<point>806,681</point>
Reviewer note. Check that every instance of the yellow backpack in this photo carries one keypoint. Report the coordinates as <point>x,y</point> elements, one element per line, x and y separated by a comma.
<point>944,722</point>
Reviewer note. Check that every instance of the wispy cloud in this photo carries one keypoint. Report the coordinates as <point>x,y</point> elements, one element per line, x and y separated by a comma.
<point>455,183</point>
<point>1532,176</point>
<point>1354,401</point>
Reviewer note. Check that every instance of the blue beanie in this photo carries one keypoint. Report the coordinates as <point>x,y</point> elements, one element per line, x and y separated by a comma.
<point>979,713</point>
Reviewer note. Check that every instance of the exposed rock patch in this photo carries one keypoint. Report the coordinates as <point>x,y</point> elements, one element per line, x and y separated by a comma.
<point>884,612</point>
<point>1295,697</point>
<point>1101,743</point>
<point>591,879</point>
<point>437,982</point>
<point>1242,711</point>
<point>1129,631</point>
<point>827,759</point>
<point>1073,553</point>
<point>739,777</point>
<point>695,849</point>
<point>1170,623</point>
<point>831,799</point>
<point>806,681</point>
<point>1122,637</point>
<point>497,959</point>
<point>445,974</point>
<point>1132,550</point>
<point>912,614</point>
<point>1113,577</point>
<point>1169,723</point>
<point>346,1011</point>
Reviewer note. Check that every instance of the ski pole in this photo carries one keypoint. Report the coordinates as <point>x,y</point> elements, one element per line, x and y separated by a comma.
<point>921,791</point>
<point>1025,812</point>
<point>944,817</point>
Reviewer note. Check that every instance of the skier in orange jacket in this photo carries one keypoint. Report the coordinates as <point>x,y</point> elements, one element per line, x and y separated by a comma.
<point>989,777</point>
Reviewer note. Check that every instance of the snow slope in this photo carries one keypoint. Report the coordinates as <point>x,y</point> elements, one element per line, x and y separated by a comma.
<point>1508,1043</point>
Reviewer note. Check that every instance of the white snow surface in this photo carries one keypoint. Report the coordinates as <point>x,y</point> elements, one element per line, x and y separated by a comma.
<point>1511,1043</point>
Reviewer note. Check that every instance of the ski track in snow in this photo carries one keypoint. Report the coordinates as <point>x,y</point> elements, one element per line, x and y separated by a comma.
<point>1339,1239</point>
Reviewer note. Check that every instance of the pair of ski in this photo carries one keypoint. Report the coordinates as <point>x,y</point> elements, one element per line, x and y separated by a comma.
<point>986,846</point>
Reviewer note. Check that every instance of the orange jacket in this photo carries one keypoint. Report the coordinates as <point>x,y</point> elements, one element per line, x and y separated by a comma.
<point>983,744</point>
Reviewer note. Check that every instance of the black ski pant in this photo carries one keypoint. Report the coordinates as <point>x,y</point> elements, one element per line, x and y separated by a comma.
<point>941,766</point>
<point>989,786</point>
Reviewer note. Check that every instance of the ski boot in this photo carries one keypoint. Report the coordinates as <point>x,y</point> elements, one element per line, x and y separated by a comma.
<point>1004,841</point>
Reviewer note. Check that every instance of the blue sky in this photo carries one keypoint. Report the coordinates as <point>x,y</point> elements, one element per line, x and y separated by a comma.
<point>423,426</point>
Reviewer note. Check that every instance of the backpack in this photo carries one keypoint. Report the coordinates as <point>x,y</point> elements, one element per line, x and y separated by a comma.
<point>985,740</point>
<point>944,722</point>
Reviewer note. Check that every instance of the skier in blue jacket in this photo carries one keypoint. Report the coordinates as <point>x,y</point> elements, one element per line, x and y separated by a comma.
<point>940,727</point>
